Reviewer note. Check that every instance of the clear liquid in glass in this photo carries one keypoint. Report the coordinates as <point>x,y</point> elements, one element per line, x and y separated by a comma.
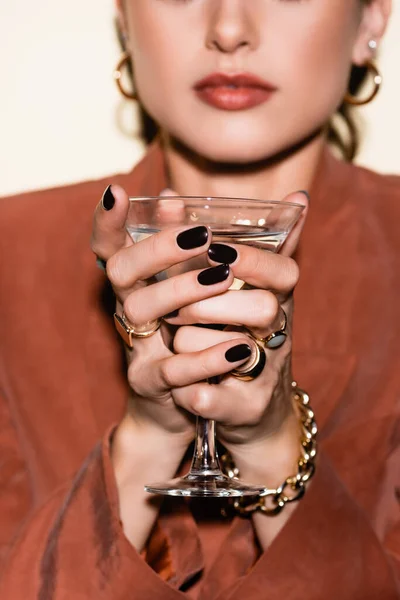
<point>257,237</point>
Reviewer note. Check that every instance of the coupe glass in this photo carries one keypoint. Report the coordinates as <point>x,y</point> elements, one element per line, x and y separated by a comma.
<point>260,223</point>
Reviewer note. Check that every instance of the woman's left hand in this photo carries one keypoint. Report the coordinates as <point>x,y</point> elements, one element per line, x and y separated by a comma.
<point>255,417</point>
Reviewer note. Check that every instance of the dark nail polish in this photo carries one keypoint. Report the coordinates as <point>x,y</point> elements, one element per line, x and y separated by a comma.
<point>222,253</point>
<point>239,352</point>
<point>305,193</point>
<point>214,275</point>
<point>192,238</point>
<point>108,199</point>
<point>172,314</point>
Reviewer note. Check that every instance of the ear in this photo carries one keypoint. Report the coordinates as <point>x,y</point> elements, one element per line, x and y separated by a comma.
<point>374,19</point>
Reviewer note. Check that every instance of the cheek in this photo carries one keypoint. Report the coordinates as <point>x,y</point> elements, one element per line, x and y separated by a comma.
<point>161,41</point>
<point>313,61</point>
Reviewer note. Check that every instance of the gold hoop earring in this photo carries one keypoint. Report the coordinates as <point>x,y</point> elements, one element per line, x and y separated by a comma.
<point>124,60</point>
<point>377,78</point>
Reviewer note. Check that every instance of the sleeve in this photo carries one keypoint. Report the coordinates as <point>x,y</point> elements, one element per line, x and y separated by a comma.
<point>15,493</point>
<point>74,546</point>
<point>328,549</point>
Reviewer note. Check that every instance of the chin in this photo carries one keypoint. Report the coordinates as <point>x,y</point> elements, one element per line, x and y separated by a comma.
<point>246,138</point>
<point>239,150</point>
<point>224,151</point>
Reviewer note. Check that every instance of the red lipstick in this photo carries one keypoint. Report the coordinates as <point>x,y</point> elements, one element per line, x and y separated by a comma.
<point>234,92</point>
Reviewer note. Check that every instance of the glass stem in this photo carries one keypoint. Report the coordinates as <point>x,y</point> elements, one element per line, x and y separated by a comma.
<point>205,459</point>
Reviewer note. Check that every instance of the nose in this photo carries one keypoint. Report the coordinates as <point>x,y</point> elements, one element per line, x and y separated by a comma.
<point>230,26</point>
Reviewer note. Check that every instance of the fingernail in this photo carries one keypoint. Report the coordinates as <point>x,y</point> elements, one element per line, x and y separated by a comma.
<point>108,199</point>
<point>192,238</point>
<point>171,315</point>
<point>214,275</point>
<point>237,353</point>
<point>305,193</point>
<point>222,253</point>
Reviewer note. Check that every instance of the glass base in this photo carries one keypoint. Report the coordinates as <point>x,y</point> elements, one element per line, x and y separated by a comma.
<point>200,486</point>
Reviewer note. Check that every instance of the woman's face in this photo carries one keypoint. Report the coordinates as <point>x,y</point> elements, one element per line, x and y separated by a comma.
<point>301,50</point>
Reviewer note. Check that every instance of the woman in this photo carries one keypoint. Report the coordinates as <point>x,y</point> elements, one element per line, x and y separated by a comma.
<point>242,92</point>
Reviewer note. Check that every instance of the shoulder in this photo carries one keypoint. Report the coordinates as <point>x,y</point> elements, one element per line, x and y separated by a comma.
<point>44,229</point>
<point>377,187</point>
<point>39,207</point>
<point>373,198</point>
<point>32,215</point>
<point>44,207</point>
<point>45,243</point>
<point>44,210</point>
<point>358,183</point>
<point>377,201</point>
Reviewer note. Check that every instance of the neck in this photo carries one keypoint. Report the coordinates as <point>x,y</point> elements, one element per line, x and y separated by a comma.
<point>272,178</point>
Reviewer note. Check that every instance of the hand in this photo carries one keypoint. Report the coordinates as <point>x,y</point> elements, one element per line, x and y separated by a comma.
<point>255,415</point>
<point>154,370</point>
<point>151,439</point>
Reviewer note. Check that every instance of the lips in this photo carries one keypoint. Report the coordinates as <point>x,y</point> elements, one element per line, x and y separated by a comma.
<point>234,92</point>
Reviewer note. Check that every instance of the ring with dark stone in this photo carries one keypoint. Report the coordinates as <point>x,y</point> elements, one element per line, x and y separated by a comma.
<point>276,339</point>
<point>102,264</point>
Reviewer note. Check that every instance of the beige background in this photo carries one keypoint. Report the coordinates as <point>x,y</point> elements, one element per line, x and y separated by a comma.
<point>60,111</point>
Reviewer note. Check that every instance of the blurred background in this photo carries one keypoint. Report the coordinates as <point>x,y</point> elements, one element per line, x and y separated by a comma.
<point>62,119</point>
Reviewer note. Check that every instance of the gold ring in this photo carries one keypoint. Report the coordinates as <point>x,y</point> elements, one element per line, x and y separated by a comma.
<point>128,331</point>
<point>276,339</point>
<point>254,368</point>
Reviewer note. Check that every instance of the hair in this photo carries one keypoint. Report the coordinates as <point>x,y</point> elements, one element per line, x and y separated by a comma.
<point>343,129</point>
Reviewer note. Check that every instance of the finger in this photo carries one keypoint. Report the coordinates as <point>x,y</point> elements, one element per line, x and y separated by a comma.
<point>266,270</point>
<point>258,268</point>
<point>292,241</point>
<point>109,233</point>
<point>151,302</point>
<point>255,309</point>
<point>168,192</point>
<point>170,209</point>
<point>155,379</point>
<point>193,339</point>
<point>156,253</point>
<point>231,402</point>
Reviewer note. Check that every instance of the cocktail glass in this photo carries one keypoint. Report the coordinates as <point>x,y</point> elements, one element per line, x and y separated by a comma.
<point>264,224</point>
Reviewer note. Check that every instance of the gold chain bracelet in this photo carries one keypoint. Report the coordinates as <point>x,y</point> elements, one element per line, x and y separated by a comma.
<point>272,501</point>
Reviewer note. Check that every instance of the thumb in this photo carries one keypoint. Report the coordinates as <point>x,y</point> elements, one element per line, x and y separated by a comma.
<point>170,208</point>
<point>293,238</point>
<point>168,193</point>
<point>109,234</point>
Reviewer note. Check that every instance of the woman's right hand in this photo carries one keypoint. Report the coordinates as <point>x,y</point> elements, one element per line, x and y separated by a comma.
<point>153,369</point>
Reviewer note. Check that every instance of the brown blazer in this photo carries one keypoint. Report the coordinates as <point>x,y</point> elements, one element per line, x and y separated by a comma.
<point>62,388</point>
